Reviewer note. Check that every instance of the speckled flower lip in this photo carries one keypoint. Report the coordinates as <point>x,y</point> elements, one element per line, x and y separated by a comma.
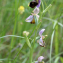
<point>35,3</point>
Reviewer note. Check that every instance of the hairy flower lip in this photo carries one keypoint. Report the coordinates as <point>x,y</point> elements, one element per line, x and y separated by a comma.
<point>35,3</point>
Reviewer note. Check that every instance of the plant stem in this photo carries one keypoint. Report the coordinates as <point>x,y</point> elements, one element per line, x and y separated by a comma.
<point>32,49</point>
<point>56,40</point>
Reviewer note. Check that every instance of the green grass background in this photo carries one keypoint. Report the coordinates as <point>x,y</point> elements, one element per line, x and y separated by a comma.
<point>12,23</point>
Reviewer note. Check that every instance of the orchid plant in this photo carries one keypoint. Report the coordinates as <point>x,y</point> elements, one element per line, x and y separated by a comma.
<point>33,19</point>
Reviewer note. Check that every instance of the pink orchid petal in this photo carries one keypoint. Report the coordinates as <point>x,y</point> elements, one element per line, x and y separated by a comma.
<point>41,31</point>
<point>40,59</point>
<point>30,18</point>
<point>36,10</point>
<point>41,42</point>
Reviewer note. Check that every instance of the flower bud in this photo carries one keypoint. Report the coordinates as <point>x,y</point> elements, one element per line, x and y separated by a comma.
<point>25,33</point>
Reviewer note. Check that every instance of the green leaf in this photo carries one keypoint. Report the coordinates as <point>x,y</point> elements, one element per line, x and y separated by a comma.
<point>56,60</point>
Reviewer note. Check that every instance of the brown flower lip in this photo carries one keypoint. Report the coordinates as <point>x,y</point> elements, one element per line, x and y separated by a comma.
<point>33,4</point>
<point>33,22</point>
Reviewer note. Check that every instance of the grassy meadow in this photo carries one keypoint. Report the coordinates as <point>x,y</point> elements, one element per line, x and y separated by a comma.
<point>14,46</point>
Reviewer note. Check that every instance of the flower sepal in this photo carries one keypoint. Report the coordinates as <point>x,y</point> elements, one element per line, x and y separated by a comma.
<point>39,59</point>
<point>41,40</point>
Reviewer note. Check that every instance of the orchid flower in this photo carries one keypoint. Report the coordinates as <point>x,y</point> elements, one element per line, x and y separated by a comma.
<point>41,42</point>
<point>40,59</point>
<point>31,17</point>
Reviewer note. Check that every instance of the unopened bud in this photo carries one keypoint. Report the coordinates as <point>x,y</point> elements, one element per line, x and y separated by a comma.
<point>46,35</point>
<point>25,33</point>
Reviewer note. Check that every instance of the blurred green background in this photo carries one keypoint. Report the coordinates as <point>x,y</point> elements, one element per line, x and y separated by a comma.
<point>13,23</point>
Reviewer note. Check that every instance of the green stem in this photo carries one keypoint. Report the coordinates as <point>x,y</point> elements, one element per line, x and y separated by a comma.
<point>56,40</point>
<point>14,30</point>
<point>16,16</point>
<point>32,49</point>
